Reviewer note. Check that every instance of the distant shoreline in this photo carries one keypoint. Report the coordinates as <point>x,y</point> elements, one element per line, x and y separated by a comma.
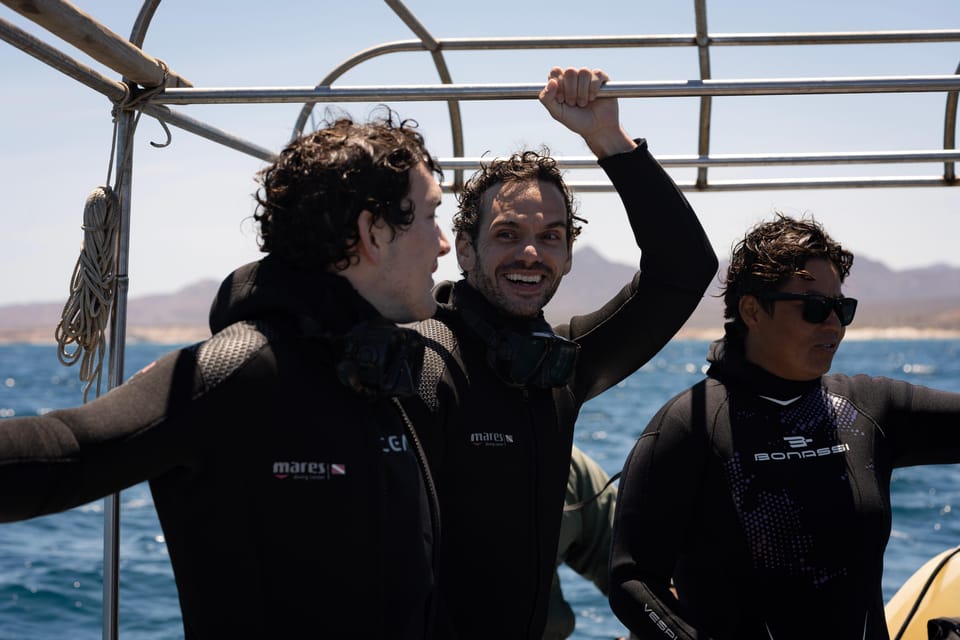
<point>176,335</point>
<point>865,333</point>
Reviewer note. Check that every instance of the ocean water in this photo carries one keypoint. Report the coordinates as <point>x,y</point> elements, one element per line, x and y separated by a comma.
<point>51,568</point>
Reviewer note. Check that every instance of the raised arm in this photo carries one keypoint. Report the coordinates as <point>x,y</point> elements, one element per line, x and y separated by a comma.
<point>677,261</point>
<point>571,97</point>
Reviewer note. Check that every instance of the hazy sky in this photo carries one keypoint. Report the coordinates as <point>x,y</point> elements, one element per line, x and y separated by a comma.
<point>192,200</point>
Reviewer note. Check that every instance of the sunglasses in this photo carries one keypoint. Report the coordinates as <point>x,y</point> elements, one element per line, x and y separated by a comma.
<point>817,308</point>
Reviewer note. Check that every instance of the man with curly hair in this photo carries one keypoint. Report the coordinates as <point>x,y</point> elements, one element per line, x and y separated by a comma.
<point>763,492</point>
<point>501,389</point>
<point>288,480</point>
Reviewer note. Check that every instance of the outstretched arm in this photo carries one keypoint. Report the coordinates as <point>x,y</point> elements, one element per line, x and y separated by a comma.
<point>571,96</point>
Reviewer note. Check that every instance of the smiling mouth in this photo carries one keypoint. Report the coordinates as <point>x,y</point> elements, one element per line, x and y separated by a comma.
<point>519,278</point>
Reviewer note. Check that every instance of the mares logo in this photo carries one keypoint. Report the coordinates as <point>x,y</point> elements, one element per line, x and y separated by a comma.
<point>308,470</point>
<point>489,439</point>
<point>800,451</point>
<point>657,620</point>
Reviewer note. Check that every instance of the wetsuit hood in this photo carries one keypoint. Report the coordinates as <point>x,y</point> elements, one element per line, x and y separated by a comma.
<point>729,364</point>
<point>272,288</point>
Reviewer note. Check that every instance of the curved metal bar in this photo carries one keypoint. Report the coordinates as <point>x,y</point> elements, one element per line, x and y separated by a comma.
<point>456,118</point>
<point>595,42</point>
<point>950,132</point>
<point>453,106</point>
<point>655,89</point>
<point>142,23</point>
<point>706,102</point>
<point>343,67</point>
<point>426,43</point>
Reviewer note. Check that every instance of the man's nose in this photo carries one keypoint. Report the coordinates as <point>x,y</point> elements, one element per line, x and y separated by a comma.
<point>529,252</point>
<point>444,243</point>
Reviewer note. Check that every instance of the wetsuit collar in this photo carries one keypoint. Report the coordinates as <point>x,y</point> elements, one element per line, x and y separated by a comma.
<point>463,296</point>
<point>729,365</point>
<point>371,355</point>
<point>273,289</point>
<point>523,352</point>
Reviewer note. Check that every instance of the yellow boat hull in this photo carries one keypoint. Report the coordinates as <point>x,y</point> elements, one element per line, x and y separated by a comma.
<point>942,598</point>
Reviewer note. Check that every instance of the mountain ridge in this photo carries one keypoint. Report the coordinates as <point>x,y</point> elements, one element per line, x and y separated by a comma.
<point>925,299</point>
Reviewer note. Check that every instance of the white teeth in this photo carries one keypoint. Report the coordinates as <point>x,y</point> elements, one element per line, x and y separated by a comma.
<point>516,277</point>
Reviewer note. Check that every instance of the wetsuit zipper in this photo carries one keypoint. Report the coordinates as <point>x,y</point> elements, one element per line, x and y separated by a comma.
<point>428,481</point>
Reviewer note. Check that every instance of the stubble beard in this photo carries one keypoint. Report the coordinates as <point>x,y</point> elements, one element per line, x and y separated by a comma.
<point>529,309</point>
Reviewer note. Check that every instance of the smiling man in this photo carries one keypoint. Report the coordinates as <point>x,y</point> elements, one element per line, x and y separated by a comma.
<point>502,389</point>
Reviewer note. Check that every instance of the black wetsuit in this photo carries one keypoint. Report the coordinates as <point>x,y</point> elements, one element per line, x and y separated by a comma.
<point>768,503</point>
<point>501,454</point>
<point>291,506</point>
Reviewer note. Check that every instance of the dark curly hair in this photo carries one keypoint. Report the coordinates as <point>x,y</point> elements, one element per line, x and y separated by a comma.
<point>311,196</point>
<point>520,167</point>
<point>773,252</point>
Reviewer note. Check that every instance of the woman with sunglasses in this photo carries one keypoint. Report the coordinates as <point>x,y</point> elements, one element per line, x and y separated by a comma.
<point>763,492</point>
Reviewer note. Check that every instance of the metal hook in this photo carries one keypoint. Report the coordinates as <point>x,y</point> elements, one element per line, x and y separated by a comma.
<point>166,130</point>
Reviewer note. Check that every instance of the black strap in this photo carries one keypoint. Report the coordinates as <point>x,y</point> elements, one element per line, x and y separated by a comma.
<point>580,505</point>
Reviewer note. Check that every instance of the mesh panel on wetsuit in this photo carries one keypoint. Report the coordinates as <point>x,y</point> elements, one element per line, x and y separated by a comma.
<point>439,343</point>
<point>221,355</point>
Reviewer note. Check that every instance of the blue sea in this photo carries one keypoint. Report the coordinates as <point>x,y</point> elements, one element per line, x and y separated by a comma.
<point>51,568</point>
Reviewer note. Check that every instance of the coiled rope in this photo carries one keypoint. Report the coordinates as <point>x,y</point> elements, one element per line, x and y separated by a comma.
<point>80,333</point>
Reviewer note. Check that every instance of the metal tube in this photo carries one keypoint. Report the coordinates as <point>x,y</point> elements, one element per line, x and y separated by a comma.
<point>118,327</point>
<point>658,89</point>
<point>185,122</point>
<point>745,159</point>
<point>116,91</point>
<point>431,44</point>
<point>783,184</point>
<point>61,62</point>
<point>126,127</point>
<point>950,131</point>
<point>836,37</point>
<point>583,42</point>
<point>667,40</point>
<point>706,102</point>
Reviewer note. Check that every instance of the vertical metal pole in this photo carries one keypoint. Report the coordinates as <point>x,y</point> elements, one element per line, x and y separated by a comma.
<point>706,102</point>
<point>118,329</point>
<point>126,125</point>
<point>950,131</point>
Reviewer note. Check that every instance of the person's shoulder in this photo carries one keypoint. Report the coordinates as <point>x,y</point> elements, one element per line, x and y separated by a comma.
<point>221,355</point>
<point>703,397</point>
<point>858,382</point>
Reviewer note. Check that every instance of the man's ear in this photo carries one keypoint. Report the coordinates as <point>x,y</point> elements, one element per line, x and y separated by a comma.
<point>370,237</point>
<point>568,264</point>
<point>466,254</point>
<point>750,310</point>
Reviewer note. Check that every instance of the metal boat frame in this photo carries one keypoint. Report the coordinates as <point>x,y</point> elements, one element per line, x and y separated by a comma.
<point>148,86</point>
